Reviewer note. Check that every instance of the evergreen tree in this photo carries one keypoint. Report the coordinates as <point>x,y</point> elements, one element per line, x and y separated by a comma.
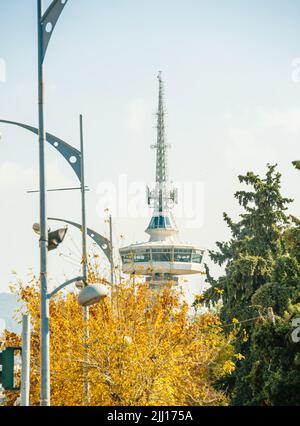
<point>260,293</point>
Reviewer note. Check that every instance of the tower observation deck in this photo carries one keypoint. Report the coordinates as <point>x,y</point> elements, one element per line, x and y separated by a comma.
<point>163,258</point>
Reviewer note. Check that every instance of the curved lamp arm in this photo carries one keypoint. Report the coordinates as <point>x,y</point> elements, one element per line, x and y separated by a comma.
<point>49,20</point>
<point>57,289</point>
<point>101,241</point>
<point>71,154</point>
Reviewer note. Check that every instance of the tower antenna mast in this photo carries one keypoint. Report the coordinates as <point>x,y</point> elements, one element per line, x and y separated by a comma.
<point>163,258</point>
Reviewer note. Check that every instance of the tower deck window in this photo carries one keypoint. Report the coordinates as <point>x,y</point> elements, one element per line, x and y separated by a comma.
<point>127,258</point>
<point>142,257</point>
<point>197,256</point>
<point>160,222</point>
<point>162,257</point>
<point>182,255</point>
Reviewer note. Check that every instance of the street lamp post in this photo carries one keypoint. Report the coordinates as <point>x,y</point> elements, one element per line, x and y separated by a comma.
<point>112,266</point>
<point>84,265</point>
<point>45,25</point>
<point>105,244</point>
<point>45,338</point>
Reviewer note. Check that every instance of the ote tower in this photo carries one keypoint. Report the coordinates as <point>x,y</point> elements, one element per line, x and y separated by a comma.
<point>163,258</point>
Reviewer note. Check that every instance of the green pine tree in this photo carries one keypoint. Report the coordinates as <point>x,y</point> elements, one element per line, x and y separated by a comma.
<point>260,288</point>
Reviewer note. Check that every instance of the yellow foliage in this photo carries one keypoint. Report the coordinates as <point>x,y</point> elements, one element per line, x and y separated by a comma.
<point>141,349</point>
<point>199,298</point>
<point>239,356</point>
<point>245,336</point>
<point>228,367</point>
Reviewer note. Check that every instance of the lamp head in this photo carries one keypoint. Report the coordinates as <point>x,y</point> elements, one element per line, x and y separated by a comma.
<point>92,294</point>
<point>56,237</point>
<point>36,228</point>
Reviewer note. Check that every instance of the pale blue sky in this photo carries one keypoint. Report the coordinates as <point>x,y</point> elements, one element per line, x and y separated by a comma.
<point>232,106</point>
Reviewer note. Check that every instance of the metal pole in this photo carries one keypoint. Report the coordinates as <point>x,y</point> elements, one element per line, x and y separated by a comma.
<point>84,266</point>
<point>83,190</point>
<point>111,251</point>
<point>45,340</point>
<point>86,386</point>
<point>25,380</point>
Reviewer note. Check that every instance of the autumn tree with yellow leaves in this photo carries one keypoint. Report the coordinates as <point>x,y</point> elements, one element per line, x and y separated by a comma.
<point>143,349</point>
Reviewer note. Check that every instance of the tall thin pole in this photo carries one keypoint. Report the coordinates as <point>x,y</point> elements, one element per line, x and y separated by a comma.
<point>84,228</point>
<point>111,251</point>
<point>25,380</point>
<point>84,265</point>
<point>45,339</point>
